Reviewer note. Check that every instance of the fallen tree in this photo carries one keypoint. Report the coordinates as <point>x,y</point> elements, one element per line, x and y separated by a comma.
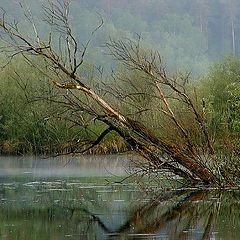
<point>181,158</point>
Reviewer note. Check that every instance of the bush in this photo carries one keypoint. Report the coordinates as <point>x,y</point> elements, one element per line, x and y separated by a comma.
<point>221,90</point>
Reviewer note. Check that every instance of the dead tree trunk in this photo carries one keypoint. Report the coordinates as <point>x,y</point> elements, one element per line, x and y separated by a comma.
<point>141,138</point>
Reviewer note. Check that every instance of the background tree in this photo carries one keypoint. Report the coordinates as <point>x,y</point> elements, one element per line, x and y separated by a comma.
<point>221,88</point>
<point>206,26</point>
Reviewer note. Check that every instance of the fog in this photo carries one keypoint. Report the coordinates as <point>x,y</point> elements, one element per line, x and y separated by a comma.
<point>190,34</point>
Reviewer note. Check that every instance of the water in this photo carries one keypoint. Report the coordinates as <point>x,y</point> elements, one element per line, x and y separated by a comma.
<point>78,198</point>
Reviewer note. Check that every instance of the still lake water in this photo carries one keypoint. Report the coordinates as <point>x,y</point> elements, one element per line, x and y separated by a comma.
<point>76,198</point>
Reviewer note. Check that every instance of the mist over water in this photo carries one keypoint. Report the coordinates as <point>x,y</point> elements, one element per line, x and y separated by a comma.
<point>80,166</point>
<point>42,199</point>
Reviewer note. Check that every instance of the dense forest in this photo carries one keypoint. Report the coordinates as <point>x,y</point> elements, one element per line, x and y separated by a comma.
<point>189,34</point>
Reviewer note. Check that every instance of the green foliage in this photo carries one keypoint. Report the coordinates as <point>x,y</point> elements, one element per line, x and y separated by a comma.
<point>31,119</point>
<point>222,88</point>
<point>221,93</point>
<point>27,125</point>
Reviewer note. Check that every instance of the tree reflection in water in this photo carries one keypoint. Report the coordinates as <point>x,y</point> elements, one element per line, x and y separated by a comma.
<point>72,210</point>
<point>173,215</point>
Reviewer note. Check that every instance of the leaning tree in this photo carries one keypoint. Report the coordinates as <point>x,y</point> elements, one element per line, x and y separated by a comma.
<point>164,95</point>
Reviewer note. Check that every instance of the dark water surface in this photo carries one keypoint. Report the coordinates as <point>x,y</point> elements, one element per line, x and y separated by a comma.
<point>77,199</point>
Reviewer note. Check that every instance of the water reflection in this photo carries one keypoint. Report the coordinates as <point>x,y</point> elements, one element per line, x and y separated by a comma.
<point>60,210</point>
<point>174,215</point>
<point>42,208</point>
